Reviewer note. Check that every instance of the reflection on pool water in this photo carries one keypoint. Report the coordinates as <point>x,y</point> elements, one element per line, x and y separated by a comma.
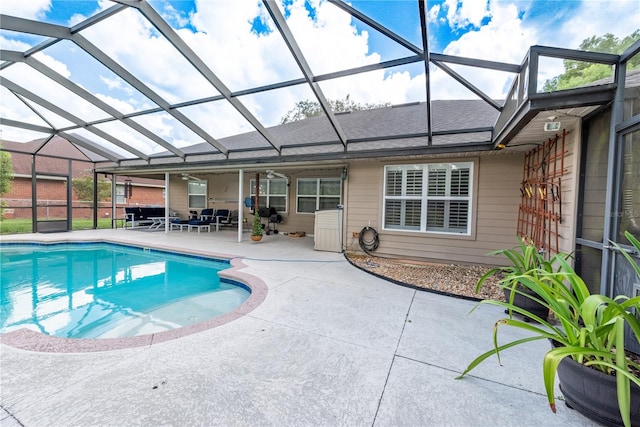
<point>101,290</point>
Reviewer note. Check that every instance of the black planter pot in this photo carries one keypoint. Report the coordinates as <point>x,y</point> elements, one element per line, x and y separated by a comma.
<point>593,393</point>
<point>528,304</point>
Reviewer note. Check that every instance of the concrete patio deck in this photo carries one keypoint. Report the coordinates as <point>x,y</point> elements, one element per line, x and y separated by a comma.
<point>330,346</point>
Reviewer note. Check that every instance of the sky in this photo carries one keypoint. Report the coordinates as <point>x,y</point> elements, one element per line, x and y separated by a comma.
<point>238,41</point>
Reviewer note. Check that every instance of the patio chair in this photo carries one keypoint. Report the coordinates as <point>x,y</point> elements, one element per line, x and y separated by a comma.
<point>228,220</point>
<point>221,216</point>
<point>207,215</point>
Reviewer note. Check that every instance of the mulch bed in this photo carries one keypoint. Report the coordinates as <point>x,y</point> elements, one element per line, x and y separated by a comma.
<point>452,279</point>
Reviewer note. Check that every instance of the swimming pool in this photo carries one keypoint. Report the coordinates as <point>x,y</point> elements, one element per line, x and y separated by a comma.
<point>104,290</point>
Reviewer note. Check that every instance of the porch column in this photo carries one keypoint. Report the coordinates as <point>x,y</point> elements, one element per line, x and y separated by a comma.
<point>167,225</point>
<point>240,204</point>
<point>114,201</point>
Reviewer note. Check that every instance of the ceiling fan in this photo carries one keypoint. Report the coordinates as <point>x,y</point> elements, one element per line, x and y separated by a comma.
<point>272,174</point>
<point>187,177</point>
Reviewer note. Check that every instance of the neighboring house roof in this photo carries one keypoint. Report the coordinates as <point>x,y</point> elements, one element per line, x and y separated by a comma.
<point>61,151</point>
<point>55,146</point>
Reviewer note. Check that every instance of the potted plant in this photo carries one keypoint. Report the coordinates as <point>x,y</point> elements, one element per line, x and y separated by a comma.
<point>256,229</point>
<point>525,258</point>
<point>590,340</point>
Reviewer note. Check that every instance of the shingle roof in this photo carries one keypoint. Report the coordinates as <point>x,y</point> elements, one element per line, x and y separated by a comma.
<point>376,129</point>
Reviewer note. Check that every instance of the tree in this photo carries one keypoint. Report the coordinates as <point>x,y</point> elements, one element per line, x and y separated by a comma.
<point>579,73</point>
<point>307,108</point>
<point>83,187</point>
<point>6,177</point>
<point>6,172</point>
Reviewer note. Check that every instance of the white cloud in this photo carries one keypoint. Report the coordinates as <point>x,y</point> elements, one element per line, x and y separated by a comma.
<point>319,39</point>
<point>54,64</point>
<point>502,39</point>
<point>511,31</point>
<point>596,18</point>
<point>42,86</point>
<point>244,59</point>
<point>123,106</point>
<point>461,14</point>
<point>9,133</point>
<point>12,44</point>
<point>112,83</point>
<point>31,9</point>
<point>14,109</point>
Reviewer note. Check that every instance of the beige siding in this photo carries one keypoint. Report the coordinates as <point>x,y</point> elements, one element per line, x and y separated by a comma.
<point>497,198</point>
<point>567,228</point>
<point>303,221</point>
<point>178,200</point>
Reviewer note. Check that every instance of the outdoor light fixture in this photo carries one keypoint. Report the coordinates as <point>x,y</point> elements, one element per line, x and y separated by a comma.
<point>552,126</point>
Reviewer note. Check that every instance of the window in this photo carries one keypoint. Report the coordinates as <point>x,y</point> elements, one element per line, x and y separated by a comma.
<point>430,197</point>
<point>317,194</point>
<point>273,193</point>
<point>121,198</point>
<point>197,194</point>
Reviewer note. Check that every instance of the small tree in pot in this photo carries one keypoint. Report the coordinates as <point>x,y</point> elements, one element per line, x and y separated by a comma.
<point>256,228</point>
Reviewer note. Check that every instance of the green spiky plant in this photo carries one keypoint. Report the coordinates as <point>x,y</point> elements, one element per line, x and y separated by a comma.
<point>525,258</point>
<point>592,326</point>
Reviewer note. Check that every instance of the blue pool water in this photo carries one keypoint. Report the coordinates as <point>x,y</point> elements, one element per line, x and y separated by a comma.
<point>100,290</point>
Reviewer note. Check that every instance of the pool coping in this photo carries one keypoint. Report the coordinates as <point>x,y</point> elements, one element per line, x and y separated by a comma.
<point>27,339</point>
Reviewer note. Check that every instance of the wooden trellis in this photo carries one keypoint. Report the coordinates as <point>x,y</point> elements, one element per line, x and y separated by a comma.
<point>540,210</point>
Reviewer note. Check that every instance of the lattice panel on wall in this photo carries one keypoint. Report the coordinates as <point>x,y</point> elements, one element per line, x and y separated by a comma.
<point>540,210</point>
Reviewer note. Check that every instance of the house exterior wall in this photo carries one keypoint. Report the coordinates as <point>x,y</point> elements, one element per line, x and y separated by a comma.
<point>178,197</point>
<point>570,182</point>
<point>51,192</point>
<point>496,199</point>
<point>496,203</point>
<point>52,196</point>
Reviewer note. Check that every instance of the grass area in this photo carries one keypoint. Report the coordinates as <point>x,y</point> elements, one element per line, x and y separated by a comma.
<point>15,226</point>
